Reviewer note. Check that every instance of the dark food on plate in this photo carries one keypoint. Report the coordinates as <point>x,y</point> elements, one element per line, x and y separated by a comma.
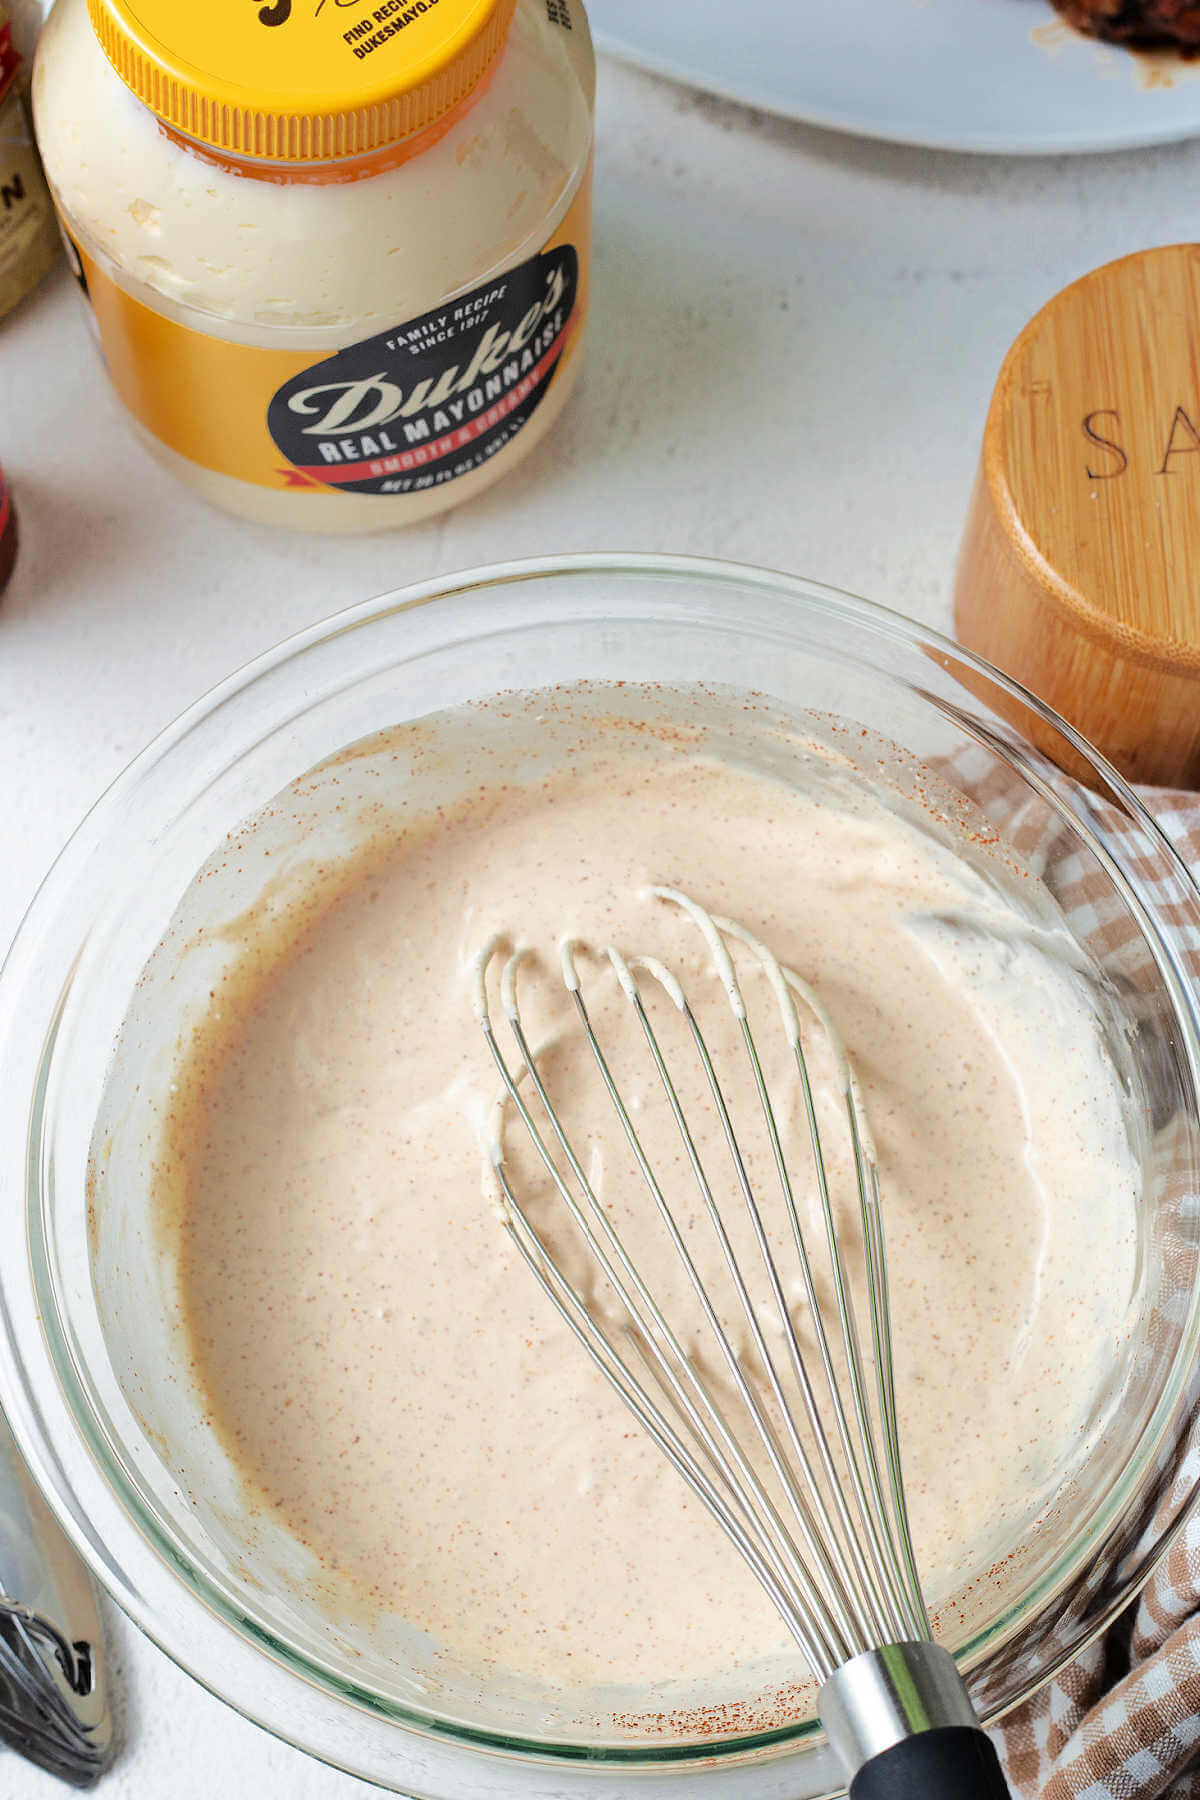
<point>1139,22</point>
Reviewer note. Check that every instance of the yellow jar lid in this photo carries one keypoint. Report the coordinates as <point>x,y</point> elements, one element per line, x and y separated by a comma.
<point>301,80</point>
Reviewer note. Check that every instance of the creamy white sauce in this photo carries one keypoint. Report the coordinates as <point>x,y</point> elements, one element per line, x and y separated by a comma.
<point>377,1359</point>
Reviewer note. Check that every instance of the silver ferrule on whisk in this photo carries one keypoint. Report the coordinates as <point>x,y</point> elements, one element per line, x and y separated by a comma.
<point>884,1696</point>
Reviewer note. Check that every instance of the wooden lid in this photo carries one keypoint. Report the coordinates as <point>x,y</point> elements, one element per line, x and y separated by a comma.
<point>1080,571</point>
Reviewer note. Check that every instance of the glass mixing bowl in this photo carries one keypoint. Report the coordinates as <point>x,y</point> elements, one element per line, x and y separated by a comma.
<point>86,1356</point>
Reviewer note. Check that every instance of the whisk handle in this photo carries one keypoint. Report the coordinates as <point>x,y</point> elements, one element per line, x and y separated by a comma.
<point>903,1727</point>
<point>955,1763</point>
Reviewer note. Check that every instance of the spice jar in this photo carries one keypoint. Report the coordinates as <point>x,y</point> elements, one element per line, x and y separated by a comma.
<point>337,253</point>
<point>1078,566</point>
<point>29,243</point>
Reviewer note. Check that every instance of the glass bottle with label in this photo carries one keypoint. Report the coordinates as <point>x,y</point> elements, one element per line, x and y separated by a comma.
<point>337,253</point>
<point>29,244</point>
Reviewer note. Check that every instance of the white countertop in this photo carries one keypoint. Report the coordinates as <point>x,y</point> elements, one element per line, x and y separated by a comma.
<point>793,342</point>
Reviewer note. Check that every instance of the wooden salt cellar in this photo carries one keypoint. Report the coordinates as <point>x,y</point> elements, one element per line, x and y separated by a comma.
<point>1080,569</point>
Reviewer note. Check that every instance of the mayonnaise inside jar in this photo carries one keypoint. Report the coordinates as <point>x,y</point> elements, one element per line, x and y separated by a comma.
<point>347,289</point>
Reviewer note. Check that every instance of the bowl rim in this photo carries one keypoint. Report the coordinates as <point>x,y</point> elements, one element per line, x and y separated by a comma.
<point>26,1402</point>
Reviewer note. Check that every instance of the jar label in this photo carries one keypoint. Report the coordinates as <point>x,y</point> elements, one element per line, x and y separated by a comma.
<point>400,412</point>
<point>436,397</point>
<point>28,240</point>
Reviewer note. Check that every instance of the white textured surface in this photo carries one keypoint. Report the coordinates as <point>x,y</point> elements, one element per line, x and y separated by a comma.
<point>793,343</point>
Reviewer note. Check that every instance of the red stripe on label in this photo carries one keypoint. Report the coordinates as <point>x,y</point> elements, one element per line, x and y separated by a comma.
<point>406,460</point>
<point>10,62</point>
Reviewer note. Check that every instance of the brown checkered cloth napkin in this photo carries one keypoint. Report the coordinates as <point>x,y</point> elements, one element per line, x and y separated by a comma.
<point>1122,1722</point>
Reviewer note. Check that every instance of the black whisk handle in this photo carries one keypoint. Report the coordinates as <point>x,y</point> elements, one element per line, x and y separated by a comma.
<point>956,1762</point>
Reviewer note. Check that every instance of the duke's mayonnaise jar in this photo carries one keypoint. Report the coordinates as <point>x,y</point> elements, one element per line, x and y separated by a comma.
<point>337,253</point>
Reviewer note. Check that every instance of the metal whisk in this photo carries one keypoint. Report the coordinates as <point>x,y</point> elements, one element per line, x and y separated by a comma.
<point>816,1509</point>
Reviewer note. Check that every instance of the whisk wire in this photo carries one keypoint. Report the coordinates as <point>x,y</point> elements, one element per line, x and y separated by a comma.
<point>909,1613</point>
<point>872,1509</point>
<point>755,1544</point>
<point>888,1616</point>
<point>794,1570</point>
<point>882,1611</point>
<point>766,1434</point>
<point>573,1310</point>
<point>860,1593</point>
<point>799,1574</point>
<point>899,1547</point>
<point>849,1593</point>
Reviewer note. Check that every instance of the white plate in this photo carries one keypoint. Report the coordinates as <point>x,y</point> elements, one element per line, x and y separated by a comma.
<point>990,75</point>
